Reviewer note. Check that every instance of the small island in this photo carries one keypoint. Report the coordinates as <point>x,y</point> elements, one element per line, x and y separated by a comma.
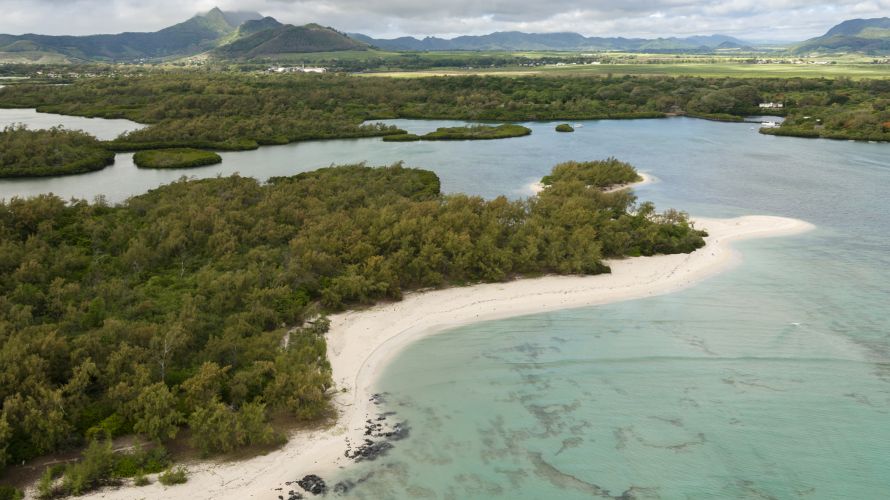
<point>175,158</point>
<point>55,151</point>
<point>477,132</point>
<point>469,133</point>
<point>564,127</point>
<point>600,174</point>
<point>401,138</point>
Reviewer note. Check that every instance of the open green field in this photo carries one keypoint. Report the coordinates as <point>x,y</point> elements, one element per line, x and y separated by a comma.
<point>715,70</point>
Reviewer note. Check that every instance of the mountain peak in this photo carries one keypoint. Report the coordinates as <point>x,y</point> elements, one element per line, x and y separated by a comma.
<point>233,19</point>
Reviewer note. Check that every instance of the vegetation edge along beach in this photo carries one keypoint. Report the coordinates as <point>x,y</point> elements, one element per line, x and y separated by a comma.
<point>192,298</point>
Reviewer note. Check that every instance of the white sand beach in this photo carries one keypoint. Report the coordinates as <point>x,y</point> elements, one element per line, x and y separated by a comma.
<point>361,343</point>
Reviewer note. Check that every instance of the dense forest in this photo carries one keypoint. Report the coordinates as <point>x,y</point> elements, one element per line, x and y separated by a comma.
<point>55,151</point>
<point>201,303</point>
<point>238,111</point>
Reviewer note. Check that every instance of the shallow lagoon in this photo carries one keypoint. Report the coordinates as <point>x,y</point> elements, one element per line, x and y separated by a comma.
<point>769,381</point>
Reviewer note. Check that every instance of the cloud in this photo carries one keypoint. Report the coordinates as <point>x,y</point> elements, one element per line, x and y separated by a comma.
<point>753,19</point>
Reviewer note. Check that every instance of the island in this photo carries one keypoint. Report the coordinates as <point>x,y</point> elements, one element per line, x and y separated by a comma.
<point>564,127</point>
<point>175,158</point>
<point>55,151</point>
<point>468,133</point>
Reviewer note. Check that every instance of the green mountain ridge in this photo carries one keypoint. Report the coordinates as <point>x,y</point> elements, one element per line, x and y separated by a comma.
<point>196,35</point>
<point>868,36</point>
<point>285,39</point>
<point>567,41</point>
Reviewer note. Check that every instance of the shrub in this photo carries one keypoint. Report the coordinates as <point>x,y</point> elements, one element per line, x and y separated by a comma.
<point>176,475</point>
<point>93,470</point>
<point>141,461</point>
<point>140,479</point>
<point>10,493</point>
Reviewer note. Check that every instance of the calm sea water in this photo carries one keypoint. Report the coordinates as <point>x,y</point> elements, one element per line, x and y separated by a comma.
<point>769,381</point>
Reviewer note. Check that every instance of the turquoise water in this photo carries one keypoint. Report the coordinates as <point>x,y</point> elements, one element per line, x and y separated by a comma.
<point>769,381</point>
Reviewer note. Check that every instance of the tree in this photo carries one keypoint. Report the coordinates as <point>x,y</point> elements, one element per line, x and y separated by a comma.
<point>5,436</point>
<point>165,345</point>
<point>255,428</point>
<point>215,428</point>
<point>154,413</point>
<point>205,386</point>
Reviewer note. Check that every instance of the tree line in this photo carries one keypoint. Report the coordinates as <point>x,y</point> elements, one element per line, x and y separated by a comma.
<point>237,111</point>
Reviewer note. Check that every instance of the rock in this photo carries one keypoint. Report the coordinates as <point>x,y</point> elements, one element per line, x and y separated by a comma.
<point>313,484</point>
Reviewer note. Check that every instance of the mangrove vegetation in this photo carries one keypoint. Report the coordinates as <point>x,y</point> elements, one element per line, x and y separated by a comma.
<point>224,110</point>
<point>56,151</point>
<point>175,158</point>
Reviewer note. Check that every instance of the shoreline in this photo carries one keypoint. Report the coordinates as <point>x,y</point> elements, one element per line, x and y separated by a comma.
<point>537,187</point>
<point>362,343</point>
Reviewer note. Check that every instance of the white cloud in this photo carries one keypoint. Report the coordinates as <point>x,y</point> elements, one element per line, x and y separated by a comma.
<point>777,19</point>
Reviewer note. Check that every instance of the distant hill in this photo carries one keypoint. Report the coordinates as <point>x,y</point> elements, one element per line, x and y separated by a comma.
<point>198,34</point>
<point>516,40</point>
<point>256,25</point>
<point>281,39</point>
<point>869,36</point>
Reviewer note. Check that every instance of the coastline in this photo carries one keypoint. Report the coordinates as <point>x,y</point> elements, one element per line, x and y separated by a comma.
<point>362,343</point>
<point>537,187</point>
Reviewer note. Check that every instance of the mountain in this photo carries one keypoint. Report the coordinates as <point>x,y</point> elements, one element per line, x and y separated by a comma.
<point>256,25</point>
<point>280,39</point>
<point>198,34</point>
<point>869,36</point>
<point>515,40</point>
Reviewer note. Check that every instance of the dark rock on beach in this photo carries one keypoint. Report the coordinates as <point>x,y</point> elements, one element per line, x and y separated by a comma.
<point>313,484</point>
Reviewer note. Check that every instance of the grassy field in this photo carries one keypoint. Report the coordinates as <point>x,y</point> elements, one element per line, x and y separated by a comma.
<point>721,69</point>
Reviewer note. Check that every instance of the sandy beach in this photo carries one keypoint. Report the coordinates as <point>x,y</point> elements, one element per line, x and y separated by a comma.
<point>361,343</point>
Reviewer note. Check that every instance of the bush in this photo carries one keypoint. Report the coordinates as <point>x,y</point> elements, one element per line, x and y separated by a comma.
<point>140,461</point>
<point>46,484</point>
<point>111,427</point>
<point>140,479</point>
<point>176,475</point>
<point>10,493</point>
<point>94,469</point>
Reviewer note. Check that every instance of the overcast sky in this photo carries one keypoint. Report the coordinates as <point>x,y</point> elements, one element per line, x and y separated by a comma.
<point>750,19</point>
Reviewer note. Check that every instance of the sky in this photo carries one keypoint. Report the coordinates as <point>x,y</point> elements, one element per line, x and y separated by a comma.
<point>753,20</point>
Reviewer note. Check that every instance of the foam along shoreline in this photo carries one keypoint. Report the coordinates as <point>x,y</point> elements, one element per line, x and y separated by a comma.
<point>537,187</point>
<point>361,343</point>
